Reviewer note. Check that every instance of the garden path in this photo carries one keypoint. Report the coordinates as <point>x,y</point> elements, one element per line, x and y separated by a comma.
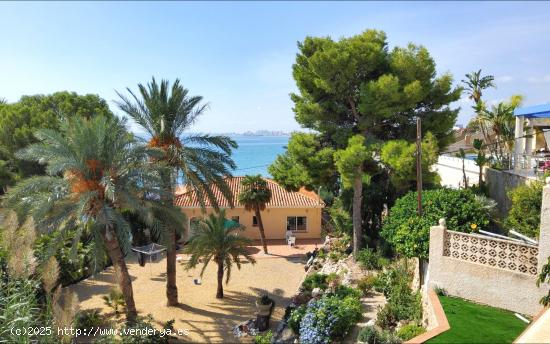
<point>370,308</point>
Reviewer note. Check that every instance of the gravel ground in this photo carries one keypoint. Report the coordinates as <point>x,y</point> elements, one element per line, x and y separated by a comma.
<point>206,318</point>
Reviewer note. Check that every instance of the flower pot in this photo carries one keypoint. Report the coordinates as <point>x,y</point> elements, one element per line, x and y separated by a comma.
<point>263,309</point>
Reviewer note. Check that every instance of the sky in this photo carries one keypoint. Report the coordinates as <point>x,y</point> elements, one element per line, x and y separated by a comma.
<point>239,55</point>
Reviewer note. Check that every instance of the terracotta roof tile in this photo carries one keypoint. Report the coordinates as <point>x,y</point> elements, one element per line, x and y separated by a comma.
<point>280,198</point>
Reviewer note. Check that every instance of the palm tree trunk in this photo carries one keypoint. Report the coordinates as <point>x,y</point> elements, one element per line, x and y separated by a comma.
<point>261,227</point>
<point>219,293</point>
<point>464,174</point>
<point>171,288</point>
<point>168,179</point>
<point>356,216</point>
<point>123,277</point>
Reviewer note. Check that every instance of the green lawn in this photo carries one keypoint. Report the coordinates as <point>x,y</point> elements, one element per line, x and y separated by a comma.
<point>474,323</point>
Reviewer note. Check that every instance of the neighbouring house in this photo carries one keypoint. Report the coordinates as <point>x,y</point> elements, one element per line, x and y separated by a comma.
<point>532,134</point>
<point>299,212</point>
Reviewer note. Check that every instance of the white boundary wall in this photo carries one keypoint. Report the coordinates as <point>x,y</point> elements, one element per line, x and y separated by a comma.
<point>449,169</point>
<point>496,272</point>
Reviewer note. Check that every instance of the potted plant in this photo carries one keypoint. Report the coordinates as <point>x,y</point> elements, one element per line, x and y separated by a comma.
<point>264,305</point>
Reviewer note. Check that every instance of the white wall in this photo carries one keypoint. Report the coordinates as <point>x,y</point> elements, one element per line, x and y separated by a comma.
<point>450,170</point>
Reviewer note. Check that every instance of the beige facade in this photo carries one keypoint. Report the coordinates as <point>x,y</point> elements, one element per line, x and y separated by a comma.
<point>274,221</point>
<point>298,211</point>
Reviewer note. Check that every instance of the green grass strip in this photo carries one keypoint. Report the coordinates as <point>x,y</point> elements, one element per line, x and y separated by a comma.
<point>474,323</point>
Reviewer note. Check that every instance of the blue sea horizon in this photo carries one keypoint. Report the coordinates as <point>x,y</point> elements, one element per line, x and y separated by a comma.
<point>256,153</point>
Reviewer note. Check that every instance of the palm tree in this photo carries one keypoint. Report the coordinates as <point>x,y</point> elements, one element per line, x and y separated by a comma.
<point>217,238</point>
<point>199,161</point>
<point>475,85</point>
<point>254,196</point>
<point>94,169</point>
<point>501,121</point>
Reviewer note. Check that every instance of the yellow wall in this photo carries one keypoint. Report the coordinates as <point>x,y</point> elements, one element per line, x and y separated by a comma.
<point>274,220</point>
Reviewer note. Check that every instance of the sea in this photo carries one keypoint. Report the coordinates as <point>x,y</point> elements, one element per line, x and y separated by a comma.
<point>256,153</point>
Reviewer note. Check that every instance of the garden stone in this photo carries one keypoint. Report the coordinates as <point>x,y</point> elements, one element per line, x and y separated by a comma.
<point>287,336</point>
<point>316,292</point>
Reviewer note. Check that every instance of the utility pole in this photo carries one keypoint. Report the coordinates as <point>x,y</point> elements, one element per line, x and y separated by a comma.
<point>419,164</point>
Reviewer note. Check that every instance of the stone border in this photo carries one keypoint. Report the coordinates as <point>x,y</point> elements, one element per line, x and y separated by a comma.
<point>440,317</point>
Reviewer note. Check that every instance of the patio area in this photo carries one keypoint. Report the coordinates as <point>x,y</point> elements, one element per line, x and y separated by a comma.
<point>206,318</point>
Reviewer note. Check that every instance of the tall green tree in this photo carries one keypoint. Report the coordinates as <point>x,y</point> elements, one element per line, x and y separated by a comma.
<point>217,238</point>
<point>349,162</point>
<point>201,162</point>
<point>95,169</point>
<point>307,162</point>
<point>400,157</point>
<point>356,85</point>
<point>255,195</point>
<point>19,121</point>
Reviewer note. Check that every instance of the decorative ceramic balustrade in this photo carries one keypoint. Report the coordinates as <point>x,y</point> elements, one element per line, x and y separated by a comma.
<point>509,255</point>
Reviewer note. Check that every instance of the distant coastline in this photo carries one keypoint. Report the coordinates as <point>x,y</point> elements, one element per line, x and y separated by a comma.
<point>271,133</point>
<point>259,133</point>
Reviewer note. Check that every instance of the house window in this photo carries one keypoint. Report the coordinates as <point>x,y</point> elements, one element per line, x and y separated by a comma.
<point>296,223</point>
<point>235,219</point>
<point>254,221</point>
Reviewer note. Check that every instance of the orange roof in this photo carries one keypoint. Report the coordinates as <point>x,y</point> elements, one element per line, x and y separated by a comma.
<point>280,198</point>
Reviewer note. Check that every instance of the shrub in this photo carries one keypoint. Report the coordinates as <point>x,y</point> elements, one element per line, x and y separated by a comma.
<point>343,291</point>
<point>440,291</point>
<point>385,281</point>
<point>315,280</point>
<point>410,331</point>
<point>19,308</point>
<point>409,233</point>
<point>370,259</point>
<point>329,318</point>
<point>341,244</point>
<point>263,338</point>
<point>403,303</point>
<point>335,256</point>
<point>74,263</point>
<point>333,279</point>
<point>386,317</point>
<point>406,304</point>
<point>368,335</point>
<point>371,335</point>
<point>89,319</point>
<point>296,317</point>
<point>115,300</point>
<point>366,284</point>
<point>524,215</point>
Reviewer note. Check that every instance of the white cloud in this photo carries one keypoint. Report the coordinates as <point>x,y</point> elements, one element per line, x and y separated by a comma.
<point>504,78</point>
<point>539,79</point>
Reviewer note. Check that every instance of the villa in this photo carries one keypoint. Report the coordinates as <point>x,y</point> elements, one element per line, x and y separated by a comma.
<point>299,212</point>
<point>532,135</point>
